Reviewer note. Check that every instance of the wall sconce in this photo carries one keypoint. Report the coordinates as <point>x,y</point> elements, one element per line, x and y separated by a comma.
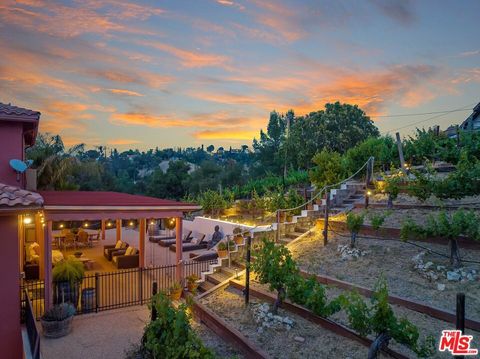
<point>27,220</point>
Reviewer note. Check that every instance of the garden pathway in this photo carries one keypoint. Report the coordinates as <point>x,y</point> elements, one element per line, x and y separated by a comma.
<point>103,335</point>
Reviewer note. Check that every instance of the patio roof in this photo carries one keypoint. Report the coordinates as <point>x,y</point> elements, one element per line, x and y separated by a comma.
<point>73,205</point>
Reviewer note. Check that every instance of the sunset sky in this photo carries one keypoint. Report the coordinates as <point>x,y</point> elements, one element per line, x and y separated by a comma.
<point>183,73</point>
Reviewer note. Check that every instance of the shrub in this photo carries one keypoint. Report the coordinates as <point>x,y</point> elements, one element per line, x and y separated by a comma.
<point>274,266</point>
<point>380,320</point>
<point>59,312</point>
<point>170,335</point>
<point>354,223</point>
<point>69,270</point>
<point>377,220</point>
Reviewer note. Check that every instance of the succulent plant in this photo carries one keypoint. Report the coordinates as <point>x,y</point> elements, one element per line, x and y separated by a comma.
<point>59,312</point>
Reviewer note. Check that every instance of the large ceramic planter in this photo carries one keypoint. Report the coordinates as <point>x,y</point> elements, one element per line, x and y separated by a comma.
<point>57,328</point>
<point>66,292</point>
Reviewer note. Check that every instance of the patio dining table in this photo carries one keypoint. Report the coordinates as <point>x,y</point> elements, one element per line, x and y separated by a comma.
<point>59,239</point>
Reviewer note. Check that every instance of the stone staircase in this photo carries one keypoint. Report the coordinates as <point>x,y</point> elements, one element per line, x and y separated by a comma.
<point>342,200</point>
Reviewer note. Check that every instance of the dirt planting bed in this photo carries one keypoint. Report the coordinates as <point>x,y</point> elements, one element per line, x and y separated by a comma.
<point>404,198</point>
<point>395,261</point>
<point>303,340</point>
<point>212,341</point>
<point>396,217</point>
<point>425,324</point>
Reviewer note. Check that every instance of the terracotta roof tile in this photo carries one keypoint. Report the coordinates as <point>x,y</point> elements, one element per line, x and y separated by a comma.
<point>10,110</point>
<point>16,197</point>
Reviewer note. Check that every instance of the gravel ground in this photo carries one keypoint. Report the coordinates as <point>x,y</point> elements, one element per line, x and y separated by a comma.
<point>280,343</point>
<point>393,259</point>
<point>214,342</point>
<point>425,324</point>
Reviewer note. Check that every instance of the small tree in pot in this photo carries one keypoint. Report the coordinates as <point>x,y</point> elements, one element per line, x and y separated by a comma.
<point>67,277</point>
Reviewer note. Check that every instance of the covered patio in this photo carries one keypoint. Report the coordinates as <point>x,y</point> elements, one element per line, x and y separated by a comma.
<point>117,216</point>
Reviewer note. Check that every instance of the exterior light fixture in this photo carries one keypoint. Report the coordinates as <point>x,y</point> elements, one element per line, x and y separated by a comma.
<point>131,223</point>
<point>27,220</point>
<point>109,224</point>
<point>152,222</point>
<point>61,225</point>
<point>85,224</point>
<point>369,193</point>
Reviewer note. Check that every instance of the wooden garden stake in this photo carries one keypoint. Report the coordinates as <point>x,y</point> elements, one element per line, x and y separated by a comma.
<point>154,310</point>
<point>246,291</point>
<point>325,222</point>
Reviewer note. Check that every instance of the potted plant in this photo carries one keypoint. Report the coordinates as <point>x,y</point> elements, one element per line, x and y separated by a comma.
<point>192,284</point>
<point>222,250</point>
<point>175,291</point>
<point>57,321</point>
<point>67,276</point>
<point>231,245</point>
<point>237,235</point>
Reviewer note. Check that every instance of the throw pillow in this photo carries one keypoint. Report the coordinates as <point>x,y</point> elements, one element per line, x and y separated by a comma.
<point>118,245</point>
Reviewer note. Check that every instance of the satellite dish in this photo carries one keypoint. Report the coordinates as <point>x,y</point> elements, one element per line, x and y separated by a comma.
<point>20,166</point>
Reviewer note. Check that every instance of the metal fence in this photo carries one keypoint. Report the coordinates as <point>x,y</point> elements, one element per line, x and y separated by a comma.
<point>31,325</point>
<point>111,290</point>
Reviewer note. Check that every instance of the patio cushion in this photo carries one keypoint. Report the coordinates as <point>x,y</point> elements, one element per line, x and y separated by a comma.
<point>124,245</point>
<point>118,245</point>
<point>129,251</point>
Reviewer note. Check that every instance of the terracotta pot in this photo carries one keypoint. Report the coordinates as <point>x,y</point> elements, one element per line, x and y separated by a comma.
<point>175,294</point>
<point>238,239</point>
<point>222,253</point>
<point>192,287</point>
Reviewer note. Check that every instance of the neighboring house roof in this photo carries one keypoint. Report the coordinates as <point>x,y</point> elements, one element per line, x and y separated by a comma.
<point>109,200</point>
<point>469,124</point>
<point>29,118</point>
<point>14,197</point>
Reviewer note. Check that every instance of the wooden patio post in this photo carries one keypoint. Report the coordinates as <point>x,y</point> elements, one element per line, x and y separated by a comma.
<point>103,229</point>
<point>142,228</point>
<point>179,247</point>
<point>40,238</point>
<point>48,265</point>
<point>119,229</point>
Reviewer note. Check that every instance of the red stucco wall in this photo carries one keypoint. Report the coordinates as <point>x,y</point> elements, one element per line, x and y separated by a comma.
<point>10,331</point>
<point>11,146</point>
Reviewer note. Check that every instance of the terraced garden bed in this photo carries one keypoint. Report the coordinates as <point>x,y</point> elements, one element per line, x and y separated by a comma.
<point>395,260</point>
<point>304,340</point>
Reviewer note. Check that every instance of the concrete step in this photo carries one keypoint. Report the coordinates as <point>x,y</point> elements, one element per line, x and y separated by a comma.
<point>217,277</point>
<point>301,229</point>
<point>204,286</point>
<point>293,235</point>
<point>232,270</point>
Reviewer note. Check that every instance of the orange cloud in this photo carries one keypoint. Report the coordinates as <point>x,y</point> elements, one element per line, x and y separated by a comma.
<point>59,20</point>
<point>190,59</point>
<point>125,92</point>
<point>123,76</point>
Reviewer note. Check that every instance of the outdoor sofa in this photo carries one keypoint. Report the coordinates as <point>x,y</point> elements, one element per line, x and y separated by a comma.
<point>126,258</point>
<point>109,249</point>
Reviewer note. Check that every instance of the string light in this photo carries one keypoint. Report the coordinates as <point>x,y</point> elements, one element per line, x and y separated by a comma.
<point>131,223</point>
<point>61,225</point>
<point>85,224</point>
<point>109,224</point>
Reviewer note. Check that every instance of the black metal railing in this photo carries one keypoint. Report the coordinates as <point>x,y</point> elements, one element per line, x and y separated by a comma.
<point>33,290</point>
<point>32,330</point>
<point>111,290</point>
